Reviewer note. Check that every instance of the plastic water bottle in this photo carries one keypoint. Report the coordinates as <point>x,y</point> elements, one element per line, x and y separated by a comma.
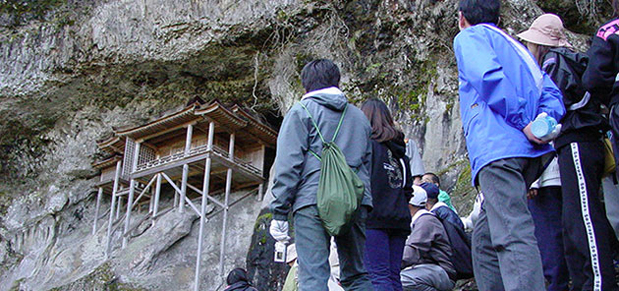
<point>543,126</point>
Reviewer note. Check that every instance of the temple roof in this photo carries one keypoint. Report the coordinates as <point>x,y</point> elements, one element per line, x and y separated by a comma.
<point>232,120</point>
<point>106,163</point>
<point>112,145</point>
<point>161,124</point>
<point>256,127</point>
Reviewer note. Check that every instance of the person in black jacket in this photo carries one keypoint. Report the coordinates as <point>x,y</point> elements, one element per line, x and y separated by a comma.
<point>601,79</point>
<point>238,281</point>
<point>580,149</point>
<point>388,224</point>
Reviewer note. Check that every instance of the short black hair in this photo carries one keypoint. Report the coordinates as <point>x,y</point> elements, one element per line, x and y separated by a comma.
<point>319,74</point>
<point>433,177</point>
<point>480,11</point>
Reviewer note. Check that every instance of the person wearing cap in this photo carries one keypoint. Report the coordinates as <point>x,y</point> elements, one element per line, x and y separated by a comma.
<point>588,251</point>
<point>426,261</point>
<point>442,195</point>
<point>501,91</point>
<point>440,209</point>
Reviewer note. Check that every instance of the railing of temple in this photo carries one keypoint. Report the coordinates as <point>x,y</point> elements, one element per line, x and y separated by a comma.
<point>197,151</point>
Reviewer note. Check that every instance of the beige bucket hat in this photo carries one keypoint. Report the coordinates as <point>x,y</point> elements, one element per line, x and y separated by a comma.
<point>546,30</point>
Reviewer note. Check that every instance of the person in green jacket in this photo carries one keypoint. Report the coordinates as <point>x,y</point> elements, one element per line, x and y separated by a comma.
<point>442,195</point>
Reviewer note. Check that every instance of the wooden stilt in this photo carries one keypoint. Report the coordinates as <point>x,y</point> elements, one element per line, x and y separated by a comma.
<point>181,207</point>
<point>108,247</point>
<point>132,185</point>
<point>99,196</point>
<point>205,192</point>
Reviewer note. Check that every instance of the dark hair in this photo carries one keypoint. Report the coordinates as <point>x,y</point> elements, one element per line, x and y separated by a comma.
<point>319,74</point>
<point>616,8</point>
<point>480,11</point>
<point>378,114</point>
<point>433,177</point>
<point>237,275</point>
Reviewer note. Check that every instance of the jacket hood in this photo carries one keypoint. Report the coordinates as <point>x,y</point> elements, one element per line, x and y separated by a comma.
<point>397,146</point>
<point>332,98</point>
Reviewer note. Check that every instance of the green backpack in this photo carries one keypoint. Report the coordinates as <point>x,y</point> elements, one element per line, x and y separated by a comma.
<point>339,189</point>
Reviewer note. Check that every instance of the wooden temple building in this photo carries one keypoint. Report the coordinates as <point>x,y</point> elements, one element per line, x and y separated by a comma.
<point>201,151</point>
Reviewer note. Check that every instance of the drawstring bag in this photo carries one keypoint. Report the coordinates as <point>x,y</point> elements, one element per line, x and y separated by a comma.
<point>339,188</point>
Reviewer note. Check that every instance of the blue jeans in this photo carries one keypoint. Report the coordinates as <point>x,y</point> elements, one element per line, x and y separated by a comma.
<point>313,242</point>
<point>383,258</point>
<point>546,211</point>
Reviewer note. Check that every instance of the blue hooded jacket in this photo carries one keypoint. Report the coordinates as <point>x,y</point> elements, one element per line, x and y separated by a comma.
<point>502,90</point>
<point>297,171</point>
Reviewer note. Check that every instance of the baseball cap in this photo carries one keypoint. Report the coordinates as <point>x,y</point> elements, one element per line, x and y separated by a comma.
<point>431,190</point>
<point>419,197</point>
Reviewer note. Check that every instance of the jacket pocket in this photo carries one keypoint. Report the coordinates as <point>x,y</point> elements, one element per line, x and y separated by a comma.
<point>470,116</point>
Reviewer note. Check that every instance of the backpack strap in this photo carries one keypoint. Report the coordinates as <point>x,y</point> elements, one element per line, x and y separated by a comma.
<point>337,130</point>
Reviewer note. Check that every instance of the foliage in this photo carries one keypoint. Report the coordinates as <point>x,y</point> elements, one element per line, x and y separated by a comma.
<point>20,11</point>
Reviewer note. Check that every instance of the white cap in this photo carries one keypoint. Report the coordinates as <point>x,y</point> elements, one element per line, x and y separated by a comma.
<point>291,253</point>
<point>419,197</point>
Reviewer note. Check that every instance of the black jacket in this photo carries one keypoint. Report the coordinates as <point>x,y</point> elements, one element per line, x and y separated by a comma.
<point>586,123</point>
<point>601,73</point>
<point>392,186</point>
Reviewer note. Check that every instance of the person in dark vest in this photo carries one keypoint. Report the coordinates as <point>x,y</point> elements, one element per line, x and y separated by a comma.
<point>238,281</point>
<point>580,149</point>
<point>388,224</point>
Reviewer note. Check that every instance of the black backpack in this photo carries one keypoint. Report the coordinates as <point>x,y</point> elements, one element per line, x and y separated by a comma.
<point>461,250</point>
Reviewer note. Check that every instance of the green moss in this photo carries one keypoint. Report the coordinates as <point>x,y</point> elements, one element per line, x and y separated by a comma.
<point>20,11</point>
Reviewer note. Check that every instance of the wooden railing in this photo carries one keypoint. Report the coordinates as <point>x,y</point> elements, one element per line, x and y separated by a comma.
<point>221,153</point>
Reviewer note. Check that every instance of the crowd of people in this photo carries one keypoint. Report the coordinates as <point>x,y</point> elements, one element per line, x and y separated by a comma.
<point>538,222</point>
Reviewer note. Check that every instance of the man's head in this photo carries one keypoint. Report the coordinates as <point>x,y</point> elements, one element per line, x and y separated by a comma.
<point>319,74</point>
<point>472,12</point>
<point>418,201</point>
<point>431,178</point>
<point>431,192</point>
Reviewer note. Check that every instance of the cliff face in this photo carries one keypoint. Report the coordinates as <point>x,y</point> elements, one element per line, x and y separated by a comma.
<point>71,70</point>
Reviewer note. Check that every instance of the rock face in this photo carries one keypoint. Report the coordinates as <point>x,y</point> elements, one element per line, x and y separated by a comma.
<point>71,70</point>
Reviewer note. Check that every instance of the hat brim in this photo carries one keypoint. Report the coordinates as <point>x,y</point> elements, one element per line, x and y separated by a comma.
<point>536,37</point>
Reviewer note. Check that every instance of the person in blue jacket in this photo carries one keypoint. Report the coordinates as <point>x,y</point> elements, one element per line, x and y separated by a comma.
<point>502,90</point>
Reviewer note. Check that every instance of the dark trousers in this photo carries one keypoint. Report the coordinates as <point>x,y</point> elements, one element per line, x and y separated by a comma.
<point>383,258</point>
<point>546,209</point>
<point>586,229</point>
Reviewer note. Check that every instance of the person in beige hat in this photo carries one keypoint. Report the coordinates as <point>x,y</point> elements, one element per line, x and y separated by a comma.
<point>585,229</point>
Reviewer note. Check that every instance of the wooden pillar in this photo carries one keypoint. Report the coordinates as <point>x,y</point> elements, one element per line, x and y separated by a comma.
<point>108,247</point>
<point>156,197</point>
<point>226,200</point>
<point>99,196</point>
<point>205,192</point>
<point>119,206</point>
<point>181,207</point>
<point>262,169</point>
<point>176,195</point>
<point>132,185</point>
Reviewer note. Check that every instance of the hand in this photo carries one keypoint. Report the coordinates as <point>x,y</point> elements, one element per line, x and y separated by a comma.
<point>530,136</point>
<point>279,230</point>
<point>532,193</point>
